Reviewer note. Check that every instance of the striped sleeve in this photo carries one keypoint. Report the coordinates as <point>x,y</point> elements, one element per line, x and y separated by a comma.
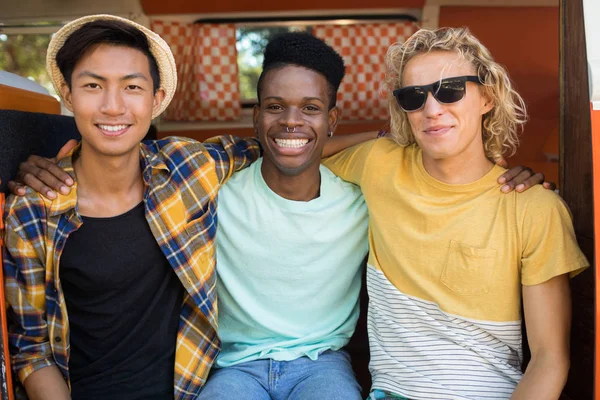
<point>24,285</point>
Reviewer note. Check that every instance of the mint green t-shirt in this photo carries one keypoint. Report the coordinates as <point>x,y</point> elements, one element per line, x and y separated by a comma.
<point>289,272</point>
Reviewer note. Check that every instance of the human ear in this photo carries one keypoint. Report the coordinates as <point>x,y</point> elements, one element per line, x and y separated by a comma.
<point>334,115</point>
<point>66,96</point>
<point>159,96</point>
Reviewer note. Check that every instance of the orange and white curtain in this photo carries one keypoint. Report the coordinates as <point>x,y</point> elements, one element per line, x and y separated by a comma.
<point>207,72</point>
<point>363,47</point>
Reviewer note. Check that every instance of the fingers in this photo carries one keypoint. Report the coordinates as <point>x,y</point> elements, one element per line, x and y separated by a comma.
<point>43,176</point>
<point>509,175</point>
<point>16,188</point>
<point>528,183</point>
<point>518,178</point>
<point>38,181</point>
<point>549,185</point>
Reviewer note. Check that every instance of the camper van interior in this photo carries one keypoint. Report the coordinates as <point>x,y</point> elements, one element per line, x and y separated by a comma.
<point>549,47</point>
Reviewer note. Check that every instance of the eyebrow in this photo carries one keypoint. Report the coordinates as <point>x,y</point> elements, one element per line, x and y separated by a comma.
<point>136,75</point>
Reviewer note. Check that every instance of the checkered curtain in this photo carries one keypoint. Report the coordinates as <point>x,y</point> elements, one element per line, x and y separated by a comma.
<point>363,47</point>
<point>207,72</point>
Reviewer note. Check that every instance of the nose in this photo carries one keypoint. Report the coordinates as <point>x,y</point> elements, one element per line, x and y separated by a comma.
<point>291,118</point>
<point>432,107</point>
<point>113,103</point>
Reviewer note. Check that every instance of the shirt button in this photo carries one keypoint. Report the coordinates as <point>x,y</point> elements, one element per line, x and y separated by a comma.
<point>57,339</point>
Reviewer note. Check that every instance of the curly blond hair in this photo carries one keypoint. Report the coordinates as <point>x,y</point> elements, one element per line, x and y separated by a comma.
<point>500,126</point>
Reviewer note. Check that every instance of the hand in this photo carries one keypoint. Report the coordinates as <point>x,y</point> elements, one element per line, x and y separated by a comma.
<point>43,175</point>
<point>521,178</point>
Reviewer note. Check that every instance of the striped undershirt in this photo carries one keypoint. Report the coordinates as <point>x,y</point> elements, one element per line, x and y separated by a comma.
<point>422,352</point>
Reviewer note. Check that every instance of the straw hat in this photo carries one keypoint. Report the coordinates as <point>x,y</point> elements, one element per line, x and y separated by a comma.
<point>158,47</point>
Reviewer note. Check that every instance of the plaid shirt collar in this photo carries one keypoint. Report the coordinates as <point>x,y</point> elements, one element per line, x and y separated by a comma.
<point>67,202</point>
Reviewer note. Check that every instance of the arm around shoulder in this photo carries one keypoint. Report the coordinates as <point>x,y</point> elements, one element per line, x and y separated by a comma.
<point>350,164</point>
<point>232,154</point>
<point>226,153</point>
<point>338,143</point>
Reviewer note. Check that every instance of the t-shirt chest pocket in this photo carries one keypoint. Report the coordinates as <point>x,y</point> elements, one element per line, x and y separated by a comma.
<point>469,270</point>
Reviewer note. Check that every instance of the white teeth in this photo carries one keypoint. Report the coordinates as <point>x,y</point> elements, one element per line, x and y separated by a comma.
<point>112,128</point>
<point>293,143</point>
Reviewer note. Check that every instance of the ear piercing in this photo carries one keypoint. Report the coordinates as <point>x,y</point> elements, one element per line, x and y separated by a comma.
<point>330,134</point>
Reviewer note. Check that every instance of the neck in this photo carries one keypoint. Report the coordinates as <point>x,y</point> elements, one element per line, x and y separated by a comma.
<point>106,185</point>
<point>304,186</point>
<point>458,170</point>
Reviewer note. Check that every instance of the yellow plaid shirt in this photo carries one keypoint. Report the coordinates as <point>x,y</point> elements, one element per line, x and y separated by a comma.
<point>182,178</point>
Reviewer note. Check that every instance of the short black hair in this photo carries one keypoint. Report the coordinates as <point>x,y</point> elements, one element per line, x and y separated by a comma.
<point>304,50</point>
<point>116,33</point>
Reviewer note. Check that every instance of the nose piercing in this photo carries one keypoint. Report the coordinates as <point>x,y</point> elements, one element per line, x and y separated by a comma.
<point>287,129</point>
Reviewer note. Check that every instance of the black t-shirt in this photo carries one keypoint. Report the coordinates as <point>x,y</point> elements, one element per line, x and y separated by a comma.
<point>123,302</point>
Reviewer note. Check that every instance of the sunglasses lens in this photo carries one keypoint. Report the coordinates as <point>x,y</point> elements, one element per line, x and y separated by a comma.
<point>450,91</point>
<point>411,98</point>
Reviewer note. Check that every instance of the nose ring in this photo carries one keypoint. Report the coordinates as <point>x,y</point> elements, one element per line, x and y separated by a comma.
<point>287,129</point>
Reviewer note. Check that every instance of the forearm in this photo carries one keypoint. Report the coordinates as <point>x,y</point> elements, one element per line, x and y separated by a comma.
<point>47,384</point>
<point>338,143</point>
<point>545,378</point>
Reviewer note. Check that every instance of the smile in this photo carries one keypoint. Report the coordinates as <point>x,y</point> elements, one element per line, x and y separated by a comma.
<point>291,143</point>
<point>113,128</point>
<point>439,130</point>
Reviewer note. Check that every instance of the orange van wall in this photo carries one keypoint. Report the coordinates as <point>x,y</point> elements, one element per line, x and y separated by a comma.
<point>526,41</point>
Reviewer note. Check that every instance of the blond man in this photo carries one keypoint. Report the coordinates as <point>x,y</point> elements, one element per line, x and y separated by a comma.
<point>452,259</point>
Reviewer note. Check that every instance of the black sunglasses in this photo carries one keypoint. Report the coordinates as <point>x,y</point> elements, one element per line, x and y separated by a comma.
<point>447,90</point>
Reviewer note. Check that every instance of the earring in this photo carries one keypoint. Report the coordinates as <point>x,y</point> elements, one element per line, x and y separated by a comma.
<point>330,134</point>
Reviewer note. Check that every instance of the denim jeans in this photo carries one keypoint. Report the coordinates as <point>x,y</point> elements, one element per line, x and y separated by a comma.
<point>330,377</point>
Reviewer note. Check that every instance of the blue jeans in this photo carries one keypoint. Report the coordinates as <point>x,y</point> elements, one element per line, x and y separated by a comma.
<point>330,377</point>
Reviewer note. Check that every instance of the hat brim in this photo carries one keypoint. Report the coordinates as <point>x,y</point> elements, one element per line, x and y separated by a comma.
<point>158,47</point>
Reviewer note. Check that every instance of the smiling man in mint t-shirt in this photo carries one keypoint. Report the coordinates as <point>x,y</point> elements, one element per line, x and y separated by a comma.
<point>290,242</point>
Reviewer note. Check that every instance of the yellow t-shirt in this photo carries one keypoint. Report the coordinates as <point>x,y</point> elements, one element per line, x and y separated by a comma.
<point>446,266</point>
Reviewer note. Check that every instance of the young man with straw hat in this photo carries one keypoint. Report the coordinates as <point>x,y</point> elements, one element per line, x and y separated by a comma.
<point>111,288</point>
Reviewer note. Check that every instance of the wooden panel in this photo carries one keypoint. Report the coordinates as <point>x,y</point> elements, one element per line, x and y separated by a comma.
<point>23,100</point>
<point>576,184</point>
<point>153,7</point>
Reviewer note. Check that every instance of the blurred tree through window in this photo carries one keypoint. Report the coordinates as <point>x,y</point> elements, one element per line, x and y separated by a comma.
<point>251,43</point>
<point>25,55</point>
